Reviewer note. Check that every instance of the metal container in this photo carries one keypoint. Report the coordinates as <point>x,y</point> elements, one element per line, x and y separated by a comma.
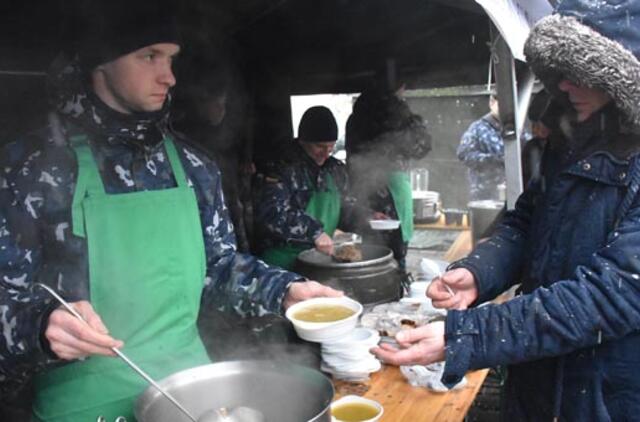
<point>375,279</point>
<point>482,215</point>
<point>426,207</point>
<point>420,179</point>
<point>281,392</point>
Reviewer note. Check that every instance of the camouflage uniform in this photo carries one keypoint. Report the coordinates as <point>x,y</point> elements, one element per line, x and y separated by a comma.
<point>36,242</point>
<point>283,193</point>
<point>482,150</point>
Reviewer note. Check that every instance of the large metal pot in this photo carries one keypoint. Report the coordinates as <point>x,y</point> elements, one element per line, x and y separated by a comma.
<point>281,392</point>
<point>375,279</point>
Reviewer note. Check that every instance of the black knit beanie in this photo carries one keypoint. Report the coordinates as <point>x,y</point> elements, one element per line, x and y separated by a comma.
<point>318,125</point>
<point>114,28</point>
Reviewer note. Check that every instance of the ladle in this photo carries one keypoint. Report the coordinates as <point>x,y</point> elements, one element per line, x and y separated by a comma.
<point>123,356</point>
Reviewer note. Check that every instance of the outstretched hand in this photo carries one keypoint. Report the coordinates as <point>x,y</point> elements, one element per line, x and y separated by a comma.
<point>419,346</point>
<point>462,290</point>
<point>70,338</point>
<point>300,291</point>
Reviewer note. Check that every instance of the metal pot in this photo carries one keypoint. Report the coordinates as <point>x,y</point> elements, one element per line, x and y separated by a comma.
<point>482,215</point>
<point>281,392</point>
<point>375,279</point>
<point>426,207</point>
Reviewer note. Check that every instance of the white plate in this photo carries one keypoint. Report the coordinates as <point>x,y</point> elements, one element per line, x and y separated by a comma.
<point>384,224</point>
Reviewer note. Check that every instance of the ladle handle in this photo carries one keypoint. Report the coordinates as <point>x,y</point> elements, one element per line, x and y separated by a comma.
<point>122,356</point>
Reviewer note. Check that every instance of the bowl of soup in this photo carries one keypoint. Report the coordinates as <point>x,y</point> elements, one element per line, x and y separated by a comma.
<point>355,409</point>
<point>324,319</point>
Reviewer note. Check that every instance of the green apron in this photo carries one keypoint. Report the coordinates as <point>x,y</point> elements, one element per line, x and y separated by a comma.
<point>322,206</point>
<point>146,274</point>
<point>400,188</point>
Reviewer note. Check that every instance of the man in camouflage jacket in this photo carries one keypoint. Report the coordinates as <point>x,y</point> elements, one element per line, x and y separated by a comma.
<point>383,134</point>
<point>307,172</point>
<point>481,149</point>
<point>39,176</point>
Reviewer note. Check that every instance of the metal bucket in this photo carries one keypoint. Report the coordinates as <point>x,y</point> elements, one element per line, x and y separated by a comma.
<point>482,215</point>
<point>281,392</point>
<point>375,279</point>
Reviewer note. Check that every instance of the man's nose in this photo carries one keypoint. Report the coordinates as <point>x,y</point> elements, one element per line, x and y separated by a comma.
<point>167,77</point>
<point>566,85</point>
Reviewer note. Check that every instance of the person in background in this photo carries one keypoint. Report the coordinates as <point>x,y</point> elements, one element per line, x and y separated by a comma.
<point>382,136</point>
<point>113,210</point>
<point>481,149</point>
<point>217,123</point>
<point>303,203</point>
<point>571,336</point>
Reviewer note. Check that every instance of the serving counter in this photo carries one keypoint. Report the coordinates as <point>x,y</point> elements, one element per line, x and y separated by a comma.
<point>401,401</point>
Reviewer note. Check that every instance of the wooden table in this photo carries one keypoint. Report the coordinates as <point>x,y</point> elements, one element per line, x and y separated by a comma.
<point>404,403</point>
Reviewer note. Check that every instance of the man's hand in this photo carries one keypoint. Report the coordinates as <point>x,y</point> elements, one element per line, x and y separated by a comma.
<point>300,291</point>
<point>380,216</point>
<point>419,346</point>
<point>461,293</point>
<point>324,244</point>
<point>71,338</point>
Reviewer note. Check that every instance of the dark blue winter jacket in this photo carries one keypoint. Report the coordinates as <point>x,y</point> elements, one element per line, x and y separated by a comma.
<point>573,241</point>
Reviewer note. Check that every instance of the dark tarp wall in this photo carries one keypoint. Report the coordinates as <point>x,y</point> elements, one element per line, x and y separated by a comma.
<point>281,48</point>
<point>448,114</point>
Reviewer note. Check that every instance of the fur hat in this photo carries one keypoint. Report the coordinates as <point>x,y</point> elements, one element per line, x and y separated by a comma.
<point>318,125</point>
<point>593,43</point>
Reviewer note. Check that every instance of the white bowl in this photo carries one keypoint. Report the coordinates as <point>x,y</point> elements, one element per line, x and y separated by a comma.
<point>324,331</point>
<point>358,399</point>
<point>384,224</point>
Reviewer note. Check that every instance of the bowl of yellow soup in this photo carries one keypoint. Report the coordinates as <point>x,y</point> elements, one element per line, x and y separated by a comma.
<point>355,409</point>
<point>324,319</point>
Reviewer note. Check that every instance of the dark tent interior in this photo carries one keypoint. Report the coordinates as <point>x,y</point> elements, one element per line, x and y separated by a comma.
<point>275,48</point>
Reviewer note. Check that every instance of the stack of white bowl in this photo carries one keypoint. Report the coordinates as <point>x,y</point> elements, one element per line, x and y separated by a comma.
<point>348,358</point>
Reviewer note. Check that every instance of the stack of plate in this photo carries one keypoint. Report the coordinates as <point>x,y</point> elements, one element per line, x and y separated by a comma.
<point>349,358</point>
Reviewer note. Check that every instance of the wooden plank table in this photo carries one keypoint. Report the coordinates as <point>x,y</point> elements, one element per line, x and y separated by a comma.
<point>404,403</point>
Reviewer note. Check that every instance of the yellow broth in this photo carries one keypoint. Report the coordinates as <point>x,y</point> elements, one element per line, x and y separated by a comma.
<point>323,313</point>
<point>354,412</point>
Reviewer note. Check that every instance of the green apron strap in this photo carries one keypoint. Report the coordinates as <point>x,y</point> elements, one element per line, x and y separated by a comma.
<point>400,188</point>
<point>174,159</point>
<point>325,206</point>
<point>88,180</point>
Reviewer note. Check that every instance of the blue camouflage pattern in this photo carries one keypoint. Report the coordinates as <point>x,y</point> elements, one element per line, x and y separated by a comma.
<point>284,192</point>
<point>572,337</point>
<point>481,149</point>
<point>37,183</point>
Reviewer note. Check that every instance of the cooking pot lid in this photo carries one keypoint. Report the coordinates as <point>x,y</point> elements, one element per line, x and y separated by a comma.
<point>371,255</point>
